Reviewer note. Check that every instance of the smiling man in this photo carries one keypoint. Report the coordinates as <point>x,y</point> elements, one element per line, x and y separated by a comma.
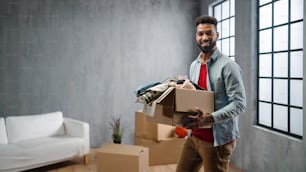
<point>212,146</point>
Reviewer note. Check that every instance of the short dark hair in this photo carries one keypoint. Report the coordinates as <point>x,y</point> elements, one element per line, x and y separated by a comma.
<point>206,19</point>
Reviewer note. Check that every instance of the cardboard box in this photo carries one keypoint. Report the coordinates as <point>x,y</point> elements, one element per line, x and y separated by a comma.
<point>119,157</point>
<point>151,130</point>
<point>175,102</point>
<point>164,151</point>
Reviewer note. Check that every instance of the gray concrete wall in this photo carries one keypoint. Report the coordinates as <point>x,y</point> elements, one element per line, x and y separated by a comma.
<point>86,58</point>
<point>259,149</point>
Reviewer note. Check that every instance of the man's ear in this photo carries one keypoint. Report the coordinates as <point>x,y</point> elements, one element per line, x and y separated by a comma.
<point>217,35</point>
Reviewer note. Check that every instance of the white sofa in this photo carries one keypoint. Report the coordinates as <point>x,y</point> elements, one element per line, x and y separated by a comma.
<point>33,141</point>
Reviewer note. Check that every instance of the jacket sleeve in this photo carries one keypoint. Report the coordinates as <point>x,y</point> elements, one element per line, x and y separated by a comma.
<point>233,100</point>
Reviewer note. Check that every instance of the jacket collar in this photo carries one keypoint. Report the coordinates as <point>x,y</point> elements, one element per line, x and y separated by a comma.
<point>212,58</point>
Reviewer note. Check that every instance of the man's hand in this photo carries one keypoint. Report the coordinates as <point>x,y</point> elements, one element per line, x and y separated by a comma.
<point>199,120</point>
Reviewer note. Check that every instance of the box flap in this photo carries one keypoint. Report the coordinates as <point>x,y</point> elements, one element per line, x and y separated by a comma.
<point>148,129</point>
<point>186,100</point>
<point>143,127</point>
<point>165,102</point>
<point>164,95</point>
<point>159,117</point>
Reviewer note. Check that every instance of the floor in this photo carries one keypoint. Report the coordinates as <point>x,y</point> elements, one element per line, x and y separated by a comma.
<point>77,165</point>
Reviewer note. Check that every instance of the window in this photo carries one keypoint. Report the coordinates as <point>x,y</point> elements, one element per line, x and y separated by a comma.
<point>280,66</point>
<point>224,12</point>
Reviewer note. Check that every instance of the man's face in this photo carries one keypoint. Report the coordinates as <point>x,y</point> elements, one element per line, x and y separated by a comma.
<point>206,37</point>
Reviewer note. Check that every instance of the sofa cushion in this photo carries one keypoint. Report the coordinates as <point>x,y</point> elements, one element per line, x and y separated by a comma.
<point>34,126</point>
<point>3,136</point>
<point>36,152</point>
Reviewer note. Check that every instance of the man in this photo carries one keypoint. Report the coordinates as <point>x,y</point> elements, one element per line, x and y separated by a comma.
<point>212,146</point>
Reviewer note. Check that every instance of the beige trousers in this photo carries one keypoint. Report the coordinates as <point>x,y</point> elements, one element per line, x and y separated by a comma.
<point>197,153</point>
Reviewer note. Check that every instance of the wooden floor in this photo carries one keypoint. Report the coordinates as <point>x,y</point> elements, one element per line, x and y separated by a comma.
<point>77,165</point>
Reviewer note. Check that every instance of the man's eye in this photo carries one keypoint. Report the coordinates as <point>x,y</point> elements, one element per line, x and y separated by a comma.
<point>209,33</point>
<point>206,33</point>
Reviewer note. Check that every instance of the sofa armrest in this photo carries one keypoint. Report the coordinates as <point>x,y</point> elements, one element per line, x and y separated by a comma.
<point>78,129</point>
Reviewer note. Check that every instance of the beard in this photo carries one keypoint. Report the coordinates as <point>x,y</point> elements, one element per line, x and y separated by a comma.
<point>209,48</point>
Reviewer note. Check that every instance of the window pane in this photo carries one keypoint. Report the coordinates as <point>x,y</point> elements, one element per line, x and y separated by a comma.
<point>265,41</point>
<point>265,114</point>
<point>280,12</point>
<point>265,14</point>
<point>297,9</point>
<point>225,46</point>
<point>265,65</point>
<point>225,28</point>
<point>232,45</point>
<point>281,65</point>
<point>296,39</point>
<point>280,118</point>
<point>217,12</point>
<point>232,26</point>
<point>232,7</point>
<point>265,89</point>
<point>296,64</point>
<point>225,10</point>
<point>280,91</point>
<point>281,38</point>
<point>261,2</point>
<point>296,93</point>
<point>296,121</point>
<point>219,45</point>
<point>220,24</point>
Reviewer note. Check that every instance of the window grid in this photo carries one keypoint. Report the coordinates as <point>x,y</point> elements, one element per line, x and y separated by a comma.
<point>226,44</point>
<point>271,124</point>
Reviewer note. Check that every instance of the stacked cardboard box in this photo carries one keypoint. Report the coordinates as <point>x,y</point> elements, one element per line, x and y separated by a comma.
<point>155,123</point>
<point>164,146</point>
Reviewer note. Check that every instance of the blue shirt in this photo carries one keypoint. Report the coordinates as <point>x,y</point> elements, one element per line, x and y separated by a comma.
<point>225,80</point>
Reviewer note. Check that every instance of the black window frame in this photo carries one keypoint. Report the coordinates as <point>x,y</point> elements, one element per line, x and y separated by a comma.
<point>229,37</point>
<point>272,77</point>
